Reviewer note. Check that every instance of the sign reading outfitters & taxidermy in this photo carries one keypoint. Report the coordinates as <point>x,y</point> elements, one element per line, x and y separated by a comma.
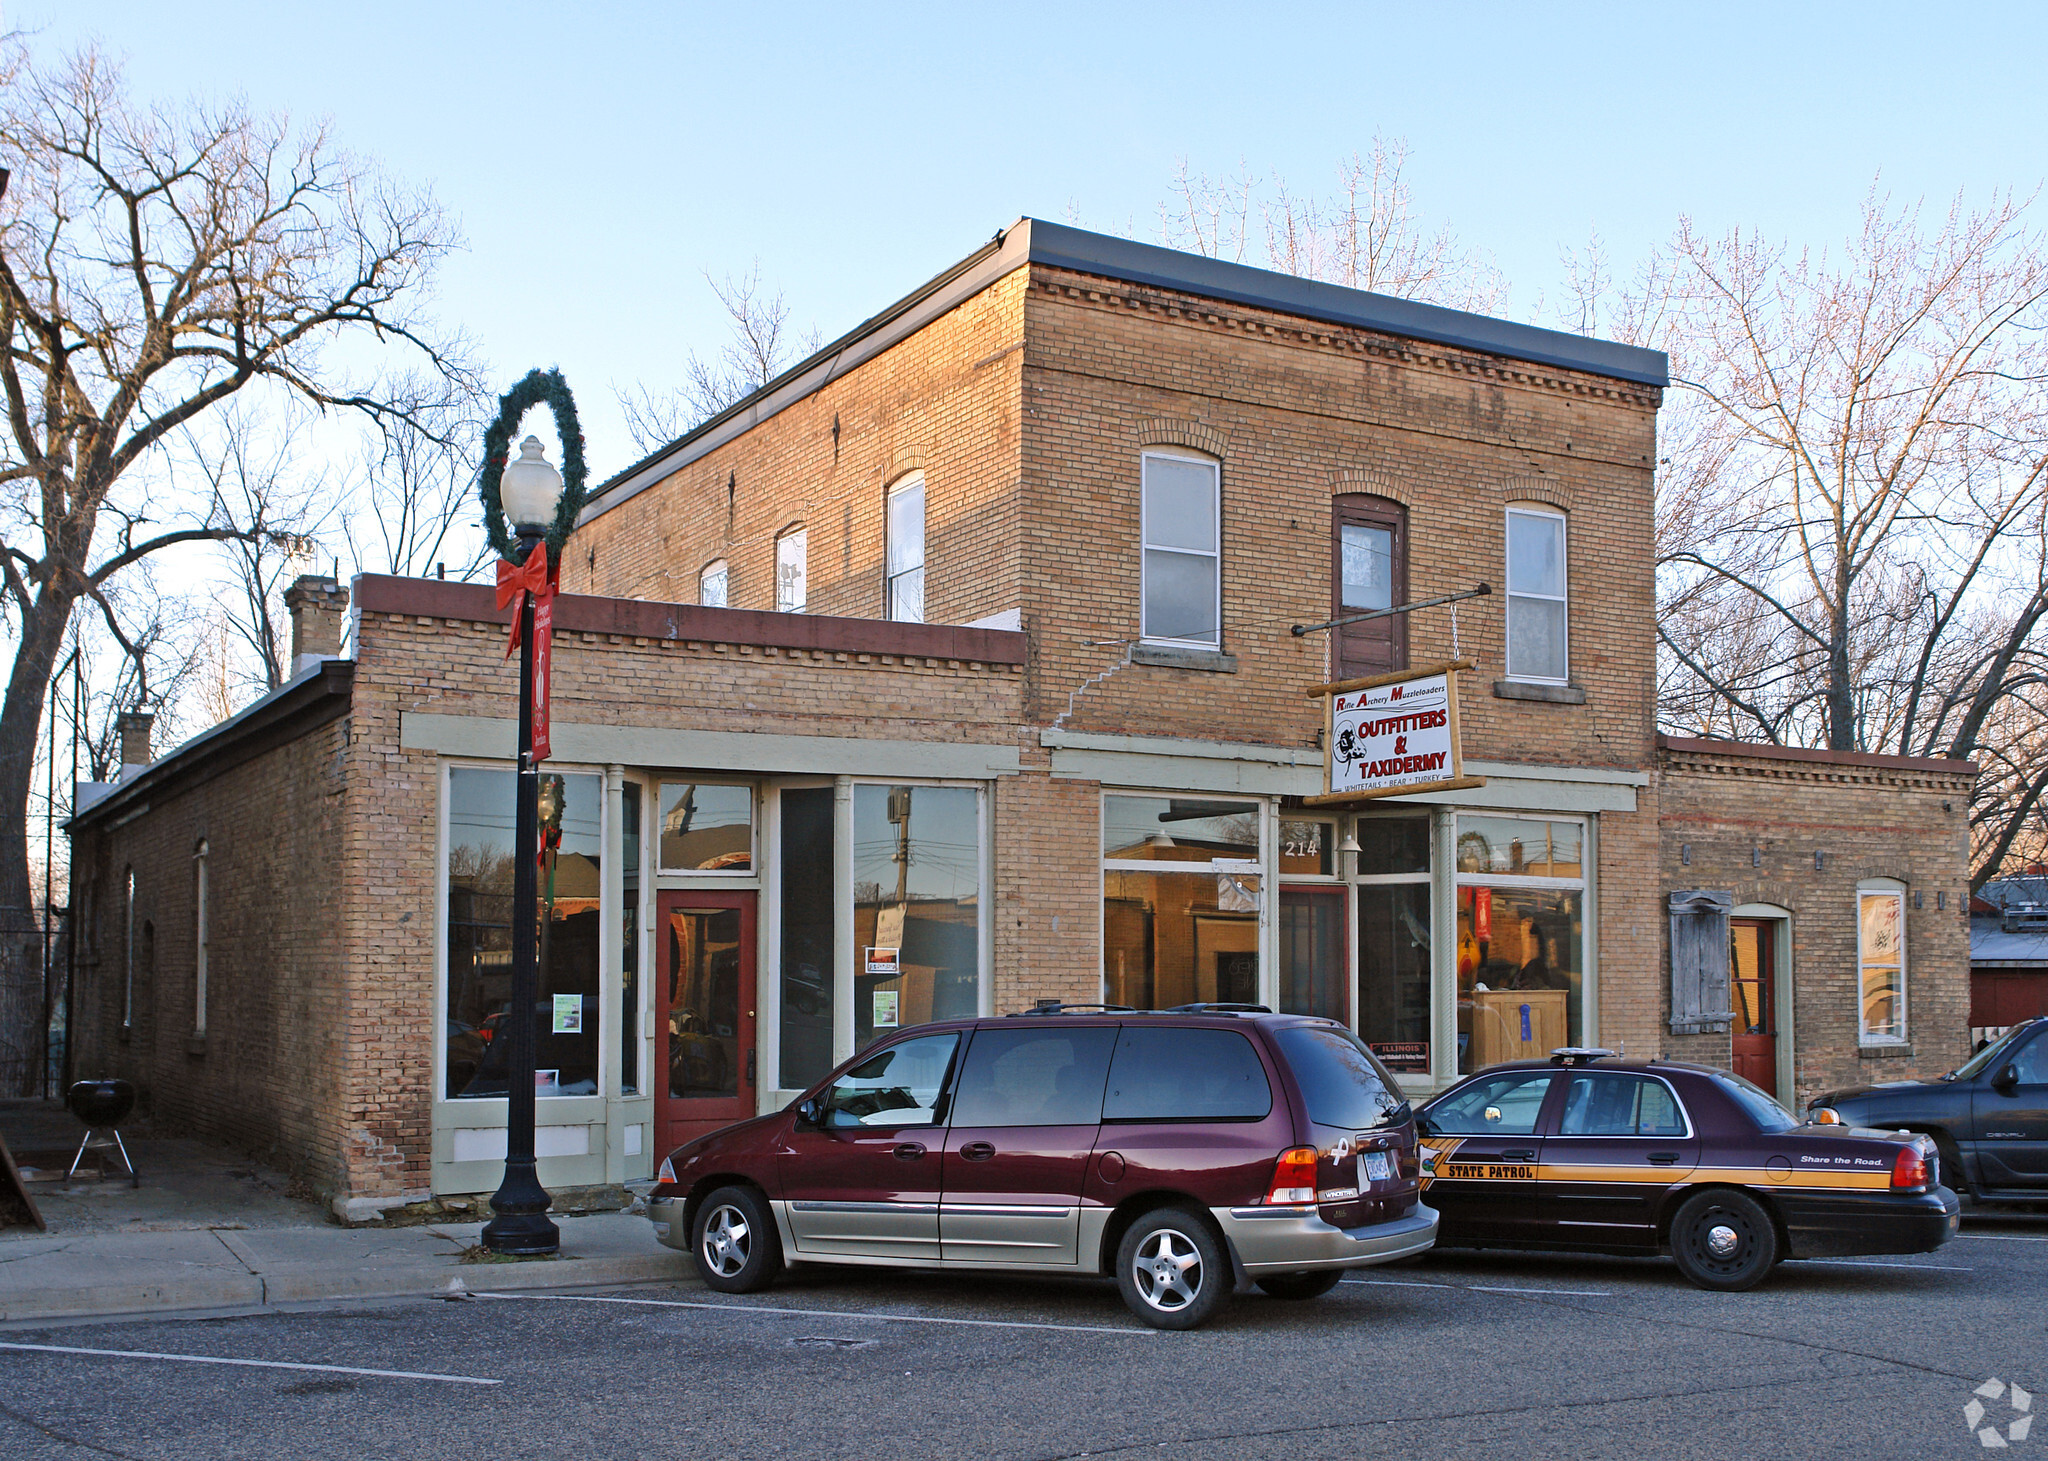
<point>1391,735</point>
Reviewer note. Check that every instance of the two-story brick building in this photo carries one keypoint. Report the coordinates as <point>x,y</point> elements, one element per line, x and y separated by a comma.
<point>956,669</point>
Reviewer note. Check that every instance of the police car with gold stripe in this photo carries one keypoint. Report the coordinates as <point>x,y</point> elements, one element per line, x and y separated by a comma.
<point>1590,1152</point>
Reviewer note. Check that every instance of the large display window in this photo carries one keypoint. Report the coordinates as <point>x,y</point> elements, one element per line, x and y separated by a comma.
<point>916,906</point>
<point>1521,949</point>
<point>478,873</point>
<point>1395,940</point>
<point>1180,900</point>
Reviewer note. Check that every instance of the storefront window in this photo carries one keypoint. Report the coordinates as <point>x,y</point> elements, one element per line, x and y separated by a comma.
<point>706,828</point>
<point>806,934</point>
<point>479,881</point>
<point>629,946</point>
<point>1521,938</point>
<point>1180,901</point>
<point>916,906</point>
<point>1394,941</point>
<point>1308,848</point>
<point>1315,977</point>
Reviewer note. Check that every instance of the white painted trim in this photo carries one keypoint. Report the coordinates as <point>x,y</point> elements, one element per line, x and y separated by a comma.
<point>1215,556</point>
<point>1510,593</point>
<point>842,919</point>
<point>493,738</point>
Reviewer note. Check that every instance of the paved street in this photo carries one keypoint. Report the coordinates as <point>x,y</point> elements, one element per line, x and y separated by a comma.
<point>1457,1356</point>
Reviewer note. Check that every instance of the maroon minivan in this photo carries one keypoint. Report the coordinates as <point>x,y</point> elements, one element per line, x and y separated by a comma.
<point>1182,1150</point>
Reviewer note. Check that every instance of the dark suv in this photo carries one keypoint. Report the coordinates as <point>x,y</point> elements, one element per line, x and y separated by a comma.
<point>1181,1150</point>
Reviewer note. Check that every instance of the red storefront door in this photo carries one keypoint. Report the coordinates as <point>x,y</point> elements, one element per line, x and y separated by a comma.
<point>704,1021</point>
<point>1752,973</point>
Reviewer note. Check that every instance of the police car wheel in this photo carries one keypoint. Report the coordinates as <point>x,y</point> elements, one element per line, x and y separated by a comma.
<point>1311,1285</point>
<point>1724,1241</point>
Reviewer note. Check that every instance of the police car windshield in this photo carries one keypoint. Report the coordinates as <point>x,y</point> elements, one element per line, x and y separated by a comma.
<point>1757,1103</point>
<point>1991,1052</point>
<point>1341,1083</point>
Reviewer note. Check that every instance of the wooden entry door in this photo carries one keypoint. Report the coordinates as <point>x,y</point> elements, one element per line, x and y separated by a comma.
<point>1752,981</point>
<point>704,1020</point>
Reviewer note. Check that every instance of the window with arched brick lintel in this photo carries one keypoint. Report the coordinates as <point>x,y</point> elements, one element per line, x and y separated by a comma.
<point>1368,574</point>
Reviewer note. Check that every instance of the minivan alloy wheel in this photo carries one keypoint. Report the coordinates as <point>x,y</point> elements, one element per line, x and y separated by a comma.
<point>728,1240</point>
<point>1168,1270</point>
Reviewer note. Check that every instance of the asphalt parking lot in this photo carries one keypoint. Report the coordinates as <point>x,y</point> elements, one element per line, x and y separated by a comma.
<point>1456,1355</point>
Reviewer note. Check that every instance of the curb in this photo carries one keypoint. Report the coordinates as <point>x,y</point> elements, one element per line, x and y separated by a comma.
<point>244,1291</point>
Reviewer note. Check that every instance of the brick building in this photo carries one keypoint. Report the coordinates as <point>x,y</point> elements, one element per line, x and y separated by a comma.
<point>955,669</point>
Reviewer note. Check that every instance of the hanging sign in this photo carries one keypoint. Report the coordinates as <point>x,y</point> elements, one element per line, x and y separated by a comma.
<point>538,577</point>
<point>1392,735</point>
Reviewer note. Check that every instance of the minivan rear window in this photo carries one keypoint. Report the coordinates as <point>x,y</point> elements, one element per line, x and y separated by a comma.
<point>1183,1074</point>
<point>1341,1083</point>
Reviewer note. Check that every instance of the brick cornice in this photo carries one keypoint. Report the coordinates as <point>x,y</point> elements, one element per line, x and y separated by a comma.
<point>645,619</point>
<point>1223,317</point>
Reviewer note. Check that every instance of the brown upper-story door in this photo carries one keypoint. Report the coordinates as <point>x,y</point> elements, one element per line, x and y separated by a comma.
<point>1368,570</point>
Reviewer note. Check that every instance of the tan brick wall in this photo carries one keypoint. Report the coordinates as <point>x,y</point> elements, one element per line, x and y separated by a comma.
<point>269,1073</point>
<point>944,402</point>
<point>1866,821</point>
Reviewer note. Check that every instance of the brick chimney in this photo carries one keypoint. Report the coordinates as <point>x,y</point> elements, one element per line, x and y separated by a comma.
<point>317,604</point>
<point>133,728</point>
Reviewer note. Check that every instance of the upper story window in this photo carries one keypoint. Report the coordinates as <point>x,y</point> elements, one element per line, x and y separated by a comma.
<point>903,586</point>
<point>1182,581</point>
<point>711,584</point>
<point>1369,570</point>
<point>1537,597</point>
<point>791,588</point>
<point>1881,960</point>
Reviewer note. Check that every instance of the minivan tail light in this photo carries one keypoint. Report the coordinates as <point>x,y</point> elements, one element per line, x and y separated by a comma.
<point>1294,1177</point>
<point>1909,1171</point>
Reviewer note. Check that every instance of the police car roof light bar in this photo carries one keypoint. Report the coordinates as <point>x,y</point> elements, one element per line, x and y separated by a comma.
<point>1581,1054</point>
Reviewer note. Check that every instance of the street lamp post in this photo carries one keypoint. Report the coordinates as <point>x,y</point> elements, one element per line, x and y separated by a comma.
<point>530,490</point>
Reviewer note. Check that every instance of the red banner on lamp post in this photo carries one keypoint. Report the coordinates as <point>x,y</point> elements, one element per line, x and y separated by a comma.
<point>515,580</point>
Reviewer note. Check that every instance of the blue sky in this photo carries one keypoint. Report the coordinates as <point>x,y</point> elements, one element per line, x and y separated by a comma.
<point>600,156</point>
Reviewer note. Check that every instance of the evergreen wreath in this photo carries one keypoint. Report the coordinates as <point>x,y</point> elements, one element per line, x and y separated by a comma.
<point>540,387</point>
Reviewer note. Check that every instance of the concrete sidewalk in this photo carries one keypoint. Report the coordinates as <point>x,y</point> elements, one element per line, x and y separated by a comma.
<point>60,1277</point>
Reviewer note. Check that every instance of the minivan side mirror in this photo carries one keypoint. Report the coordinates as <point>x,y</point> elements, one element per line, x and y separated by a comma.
<point>810,1111</point>
<point>2007,1079</point>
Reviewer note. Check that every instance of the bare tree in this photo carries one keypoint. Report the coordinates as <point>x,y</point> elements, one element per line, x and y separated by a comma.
<point>1366,234</point>
<point>761,346</point>
<point>416,507</point>
<point>155,261</point>
<point>1851,531</point>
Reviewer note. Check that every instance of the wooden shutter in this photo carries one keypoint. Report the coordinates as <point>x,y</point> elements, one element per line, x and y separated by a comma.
<point>1699,961</point>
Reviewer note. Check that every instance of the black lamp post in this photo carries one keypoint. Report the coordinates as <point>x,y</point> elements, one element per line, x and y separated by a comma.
<point>531,490</point>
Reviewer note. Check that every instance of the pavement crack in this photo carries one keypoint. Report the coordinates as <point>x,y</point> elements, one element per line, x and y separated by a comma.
<point>39,1253</point>
<point>70,1440</point>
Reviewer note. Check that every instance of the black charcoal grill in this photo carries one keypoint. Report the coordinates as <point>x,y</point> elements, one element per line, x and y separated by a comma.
<point>102,1106</point>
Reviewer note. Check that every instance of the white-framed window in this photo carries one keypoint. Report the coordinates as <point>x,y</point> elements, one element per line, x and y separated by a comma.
<point>1538,596</point>
<point>711,584</point>
<point>1521,936</point>
<point>1181,578</point>
<point>1881,962</point>
<point>706,827</point>
<point>1181,899</point>
<point>903,579</point>
<point>199,938</point>
<point>791,580</point>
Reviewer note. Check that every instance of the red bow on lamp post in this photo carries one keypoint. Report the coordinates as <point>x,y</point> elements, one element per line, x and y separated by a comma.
<point>538,577</point>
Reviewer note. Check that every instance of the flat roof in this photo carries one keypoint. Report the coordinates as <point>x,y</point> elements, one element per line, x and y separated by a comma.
<point>1034,241</point>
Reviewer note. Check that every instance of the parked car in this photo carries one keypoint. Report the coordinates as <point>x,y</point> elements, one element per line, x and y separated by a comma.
<point>1988,1117</point>
<point>1177,1150</point>
<point>1592,1153</point>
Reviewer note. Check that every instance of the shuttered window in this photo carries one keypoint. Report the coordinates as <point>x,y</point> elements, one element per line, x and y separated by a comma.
<point>1699,961</point>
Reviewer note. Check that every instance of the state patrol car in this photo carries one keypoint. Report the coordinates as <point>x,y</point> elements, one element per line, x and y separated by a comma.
<point>1590,1152</point>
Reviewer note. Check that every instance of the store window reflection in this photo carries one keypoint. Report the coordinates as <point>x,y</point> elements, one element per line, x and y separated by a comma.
<point>1394,940</point>
<point>1521,938</point>
<point>1180,901</point>
<point>479,881</point>
<point>916,906</point>
<point>706,828</point>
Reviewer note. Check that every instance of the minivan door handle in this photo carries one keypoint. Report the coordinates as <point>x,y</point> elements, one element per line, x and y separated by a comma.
<point>909,1151</point>
<point>1664,1159</point>
<point>978,1151</point>
<point>1519,1154</point>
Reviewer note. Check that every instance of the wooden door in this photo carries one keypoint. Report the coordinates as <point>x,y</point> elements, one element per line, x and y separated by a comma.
<point>1752,977</point>
<point>704,1020</point>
